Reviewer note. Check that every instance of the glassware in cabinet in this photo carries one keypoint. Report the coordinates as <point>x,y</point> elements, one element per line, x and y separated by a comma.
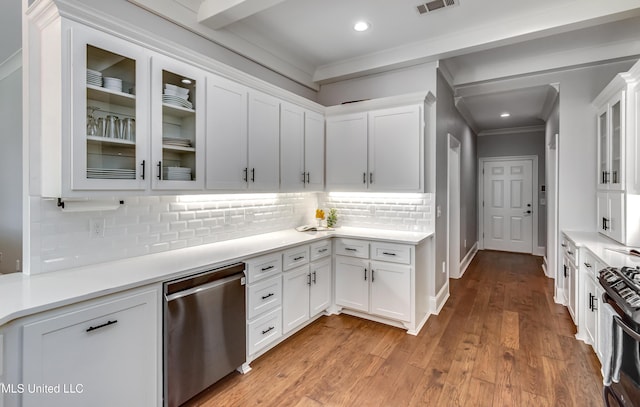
<point>109,137</point>
<point>179,126</point>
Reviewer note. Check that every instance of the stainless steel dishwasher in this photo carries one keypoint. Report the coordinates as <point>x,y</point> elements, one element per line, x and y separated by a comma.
<point>204,331</point>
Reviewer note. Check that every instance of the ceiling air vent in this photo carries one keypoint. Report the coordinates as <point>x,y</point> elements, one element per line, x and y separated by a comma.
<point>436,5</point>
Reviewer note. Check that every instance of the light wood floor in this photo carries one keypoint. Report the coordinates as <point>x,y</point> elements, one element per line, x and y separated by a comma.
<point>500,340</point>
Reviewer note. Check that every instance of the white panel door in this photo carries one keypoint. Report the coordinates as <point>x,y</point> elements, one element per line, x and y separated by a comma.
<point>346,159</point>
<point>226,135</point>
<point>352,283</point>
<point>295,297</point>
<point>264,146</point>
<point>314,151</point>
<point>508,205</point>
<point>292,173</point>
<point>394,149</point>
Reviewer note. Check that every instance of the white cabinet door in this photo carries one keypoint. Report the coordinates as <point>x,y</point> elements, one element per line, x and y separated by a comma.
<point>292,126</point>
<point>110,87</point>
<point>602,211</point>
<point>320,295</point>
<point>177,125</point>
<point>616,224</point>
<point>295,297</point>
<point>346,156</point>
<point>352,283</point>
<point>391,290</point>
<point>603,147</point>
<point>572,291</point>
<point>589,308</point>
<point>601,332</point>
<point>226,135</point>
<point>314,151</point>
<point>395,149</point>
<point>114,343</point>
<point>264,149</point>
<point>617,144</point>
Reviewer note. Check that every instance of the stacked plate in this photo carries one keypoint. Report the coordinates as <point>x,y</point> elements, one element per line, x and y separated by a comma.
<point>177,173</point>
<point>110,173</point>
<point>176,141</point>
<point>114,84</point>
<point>176,96</point>
<point>94,78</point>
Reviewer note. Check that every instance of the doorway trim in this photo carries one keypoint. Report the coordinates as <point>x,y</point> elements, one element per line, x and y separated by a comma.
<point>534,194</point>
<point>453,211</point>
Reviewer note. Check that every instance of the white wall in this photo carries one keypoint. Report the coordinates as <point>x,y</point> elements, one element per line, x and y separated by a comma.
<point>520,144</point>
<point>552,128</point>
<point>10,166</point>
<point>449,121</point>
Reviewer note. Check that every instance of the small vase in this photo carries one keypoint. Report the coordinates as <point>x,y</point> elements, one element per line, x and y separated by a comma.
<point>319,221</point>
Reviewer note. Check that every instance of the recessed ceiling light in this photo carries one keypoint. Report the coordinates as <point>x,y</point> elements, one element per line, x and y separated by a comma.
<point>505,114</point>
<point>361,26</point>
<point>186,81</point>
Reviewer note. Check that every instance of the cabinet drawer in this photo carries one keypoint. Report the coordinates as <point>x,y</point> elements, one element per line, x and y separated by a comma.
<point>295,257</point>
<point>263,266</point>
<point>320,250</point>
<point>395,253</point>
<point>352,248</point>
<point>264,296</point>
<point>265,330</point>
<point>590,263</point>
<point>569,249</point>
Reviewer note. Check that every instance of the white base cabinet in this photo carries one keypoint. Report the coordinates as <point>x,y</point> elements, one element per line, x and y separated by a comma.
<point>105,353</point>
<point>371,287</point>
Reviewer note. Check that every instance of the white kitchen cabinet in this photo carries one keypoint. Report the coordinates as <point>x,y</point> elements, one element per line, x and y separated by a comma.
<point>301,149</point>
<point>590,307</point>
<point>227,104</point>
<point>263,331</point>
<point>611,143</point>
<point>102,353</point>
<point>569,277</point>
<point>320,287</point>
<point>378,288</point>
<point>391,290</point>
<point>352,283</point>
<point>346,152</point>
<point>264,296</point>
<point>395,145</point>
<point>314,142</point>
<point>378,150</point>
<point>610,212</point>
<point>263,171</point>
<point>177,125</point>
<point>295,308</point>
<point>618,183</point>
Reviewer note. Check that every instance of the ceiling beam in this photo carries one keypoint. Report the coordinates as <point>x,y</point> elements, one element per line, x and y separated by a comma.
<point>220,13</point>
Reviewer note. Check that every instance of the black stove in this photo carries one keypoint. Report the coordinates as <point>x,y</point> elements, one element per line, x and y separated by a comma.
<point>623,287</point>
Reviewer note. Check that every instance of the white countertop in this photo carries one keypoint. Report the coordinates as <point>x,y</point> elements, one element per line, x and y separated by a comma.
<point>22,295</point>
<point>599,245</point>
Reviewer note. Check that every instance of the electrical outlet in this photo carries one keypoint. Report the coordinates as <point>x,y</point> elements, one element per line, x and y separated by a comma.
<point>444,266</point>
<point>465,243</point>
<point>96,227</point>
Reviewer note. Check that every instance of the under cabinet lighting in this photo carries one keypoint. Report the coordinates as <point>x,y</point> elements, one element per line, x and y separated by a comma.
<point>505,114</point>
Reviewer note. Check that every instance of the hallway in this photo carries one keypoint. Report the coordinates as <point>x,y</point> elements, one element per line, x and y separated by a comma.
<point>500,340</point>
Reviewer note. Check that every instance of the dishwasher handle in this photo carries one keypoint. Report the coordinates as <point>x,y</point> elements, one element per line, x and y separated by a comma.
<point>204,287</point>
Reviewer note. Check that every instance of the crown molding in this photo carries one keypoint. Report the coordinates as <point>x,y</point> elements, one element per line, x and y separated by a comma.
<point>513,130</point>
<point>552,96</point>
<point>381,103</point>
<point>462,108</point>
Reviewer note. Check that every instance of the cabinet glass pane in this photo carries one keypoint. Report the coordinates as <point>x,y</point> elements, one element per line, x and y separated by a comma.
<point>178,127</point>
<point>616,148</point>
<point>604,148</point>
<point>111,115</point>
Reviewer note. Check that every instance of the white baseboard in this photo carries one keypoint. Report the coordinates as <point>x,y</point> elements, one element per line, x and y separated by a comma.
<point>467,259</point>
<point>539,251</point>
<point>436,303</point>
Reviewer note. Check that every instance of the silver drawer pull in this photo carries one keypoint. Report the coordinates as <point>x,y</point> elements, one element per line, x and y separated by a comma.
<point>298,258</point>
<point>264,297</point>
<point>267,268</point>
<point>93,328</point>
<point>388,254</point>
<point>322,250</point>
<point>351,249</point>
<point>271,328</point>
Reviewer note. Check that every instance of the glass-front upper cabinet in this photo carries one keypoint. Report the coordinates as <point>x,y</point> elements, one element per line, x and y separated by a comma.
<point>110,113</point>
<point>177,124</point>
<point>611,144</point>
